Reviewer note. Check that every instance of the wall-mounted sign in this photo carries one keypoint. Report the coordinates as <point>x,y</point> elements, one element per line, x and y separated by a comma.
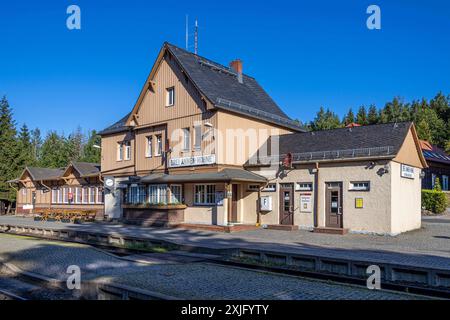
<point>192,161</point>
<point>28,207</point>
<point>359,203</point>
<point>266,203</point>
<point>407,171</point>
<point>305,202</point>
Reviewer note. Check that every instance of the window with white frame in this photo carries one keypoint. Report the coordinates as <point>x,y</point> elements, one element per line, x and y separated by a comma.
<point>78,195</point>
<point>444,182</point>
<point>186,139</point>
<point>92,191</point>
<point>304,186</point>
<point>54,195</point>
<point>100,195</point>
<point>157,193</point>
<point>253,187</point>
<point>359,186</point>
<point>127,150</point>
<point>60,195</point>
<point>198,137</point>
<point>119,151</point>
<point>205,194</point>
<point>85,195</point>
<point>176,194</point>
<point>271,187</point>
<point>170,96</point>
<point>149,147</point>
<point>159,147</point>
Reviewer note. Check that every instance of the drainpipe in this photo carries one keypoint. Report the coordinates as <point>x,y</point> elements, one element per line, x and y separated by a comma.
<point>258,209</point>
<point>316,196</point>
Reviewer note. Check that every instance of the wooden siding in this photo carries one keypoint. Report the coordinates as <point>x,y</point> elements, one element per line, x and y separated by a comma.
<point>234,151</point>
<point>109,161</point>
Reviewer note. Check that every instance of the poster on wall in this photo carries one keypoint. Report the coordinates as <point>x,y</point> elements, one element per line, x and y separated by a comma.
<point>219,198</point>
<point>305,202</point>
<point>266,203</point>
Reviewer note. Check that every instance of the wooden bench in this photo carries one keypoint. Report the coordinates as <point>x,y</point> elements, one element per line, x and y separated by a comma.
<point>71,215</point>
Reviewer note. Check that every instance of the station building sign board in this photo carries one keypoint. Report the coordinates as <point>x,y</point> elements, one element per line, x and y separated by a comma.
<point>407,171</point>
<point>192,161</point>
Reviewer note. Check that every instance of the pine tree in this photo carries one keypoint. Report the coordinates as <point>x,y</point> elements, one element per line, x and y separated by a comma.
<point>349,118</point>
<point>325,120</point>
<point>36,142</point>
<point>54,151</point>
<point>26,156</point>
<point>372,117</point>
<point>91,150</point>
<point>74,145</point>
<point>361,116</point>
<point>9,151</point>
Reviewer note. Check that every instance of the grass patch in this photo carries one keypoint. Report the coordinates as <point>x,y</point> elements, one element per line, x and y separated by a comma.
<point>148,247</point>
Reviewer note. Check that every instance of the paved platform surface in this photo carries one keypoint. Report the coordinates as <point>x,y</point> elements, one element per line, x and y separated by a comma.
<point>185,279</point>
<point>428,247</point>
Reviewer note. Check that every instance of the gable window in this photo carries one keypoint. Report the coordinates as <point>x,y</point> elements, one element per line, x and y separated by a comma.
<point>186,139</point>
<point>359,186</point>
<point>205,194</point>
<point>127,150</point>
<point>158,150</point>
<point>198,137</point>
<point>149,147</point>
<point>303,186</point>
<point>119,151</point>
<point>170,96</point>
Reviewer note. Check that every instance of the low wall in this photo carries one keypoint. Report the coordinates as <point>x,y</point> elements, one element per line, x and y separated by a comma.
<point>153,217</point>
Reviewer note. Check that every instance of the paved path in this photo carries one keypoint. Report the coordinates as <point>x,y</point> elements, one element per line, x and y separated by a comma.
<point>182,279</point>
<point>428,247</point>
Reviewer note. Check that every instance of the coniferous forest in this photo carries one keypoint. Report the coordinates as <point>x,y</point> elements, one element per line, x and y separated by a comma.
<point>21,147</point>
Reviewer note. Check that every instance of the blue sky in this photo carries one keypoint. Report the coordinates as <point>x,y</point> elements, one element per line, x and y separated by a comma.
<point>306,54</point>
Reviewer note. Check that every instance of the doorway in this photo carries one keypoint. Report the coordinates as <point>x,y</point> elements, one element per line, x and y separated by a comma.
<point>287,204</point>
<point>234,203</point>
<point>334,214</point>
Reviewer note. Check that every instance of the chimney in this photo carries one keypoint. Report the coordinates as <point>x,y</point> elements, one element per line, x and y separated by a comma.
<point>236,65</point>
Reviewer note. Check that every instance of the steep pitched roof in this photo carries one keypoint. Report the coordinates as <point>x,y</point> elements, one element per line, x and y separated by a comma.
<point>87,169</point>
<point>39,174</point>
<point>220,86</point>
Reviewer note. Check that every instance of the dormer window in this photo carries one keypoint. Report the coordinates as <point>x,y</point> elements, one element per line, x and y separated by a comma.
<point>170,96</point>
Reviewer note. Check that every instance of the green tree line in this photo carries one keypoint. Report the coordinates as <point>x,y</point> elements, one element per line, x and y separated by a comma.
<point>21,147</point>
<point>431,117</point>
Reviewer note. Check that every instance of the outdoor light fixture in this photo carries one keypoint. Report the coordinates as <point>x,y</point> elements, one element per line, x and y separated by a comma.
<point>422,174</point>
<point>208,124</point>
<point>97,146</point>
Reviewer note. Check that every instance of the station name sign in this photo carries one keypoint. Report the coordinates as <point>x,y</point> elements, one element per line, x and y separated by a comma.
<point>407,171</point>
<point>192,161</point>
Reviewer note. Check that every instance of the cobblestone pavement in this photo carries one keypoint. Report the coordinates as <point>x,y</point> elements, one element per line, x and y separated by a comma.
<point>427,247</point>
<point>190,280</point>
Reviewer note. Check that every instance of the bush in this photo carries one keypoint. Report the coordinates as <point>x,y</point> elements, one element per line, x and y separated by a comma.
<point>434,201</point>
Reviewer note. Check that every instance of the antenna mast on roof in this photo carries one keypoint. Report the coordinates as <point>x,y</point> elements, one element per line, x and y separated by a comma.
<point>187,32</point>
<point>196,37</point>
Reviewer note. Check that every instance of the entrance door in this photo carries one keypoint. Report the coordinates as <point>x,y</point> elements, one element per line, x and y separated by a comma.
<point>286,204</point>
<point>234,203</point>
<point>334,205</point>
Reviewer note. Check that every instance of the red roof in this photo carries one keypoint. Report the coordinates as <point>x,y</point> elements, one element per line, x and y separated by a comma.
<point>352,125</point>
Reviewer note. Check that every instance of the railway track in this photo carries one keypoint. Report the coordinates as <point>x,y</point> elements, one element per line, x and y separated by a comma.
<point>7,295</point>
